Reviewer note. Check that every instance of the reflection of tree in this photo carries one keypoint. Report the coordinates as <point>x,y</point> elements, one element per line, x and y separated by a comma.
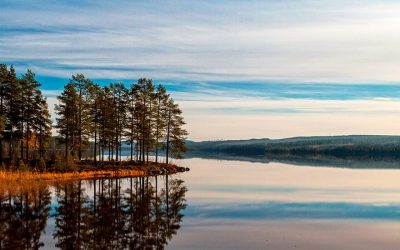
<point>71,229</point>
<point>107,217</point>
<point>130,213</point>
<point>134,213</point>
<point>173,201</point>
<point>23,217</point>
<point>176,194</point>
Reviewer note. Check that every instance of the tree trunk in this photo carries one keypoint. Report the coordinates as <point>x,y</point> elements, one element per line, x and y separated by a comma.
<point>80,146</point>
<point>40,142</point>
<point>95,133</point>
<point>137,147</point>
<point>73,146</point>
<point>103,137</point>
<point>157,126</point>
<point>109,151</point>
<point>10,150</point>
<point>116,148</point>
<point>1,151</point>
<point>27,142</point>
<point>102,153</point>
<point>120,146</point>
<point>143,148</point>
<point>21,143</point>
<point>80,125</point>
<point>148,134</point>
<point>95,146</point>
<point>168,132</point>
<point>131,148</point>
<point>66,143</point>
<point>1,139</point>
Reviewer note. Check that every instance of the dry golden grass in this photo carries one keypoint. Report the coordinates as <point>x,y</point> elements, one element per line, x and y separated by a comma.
<point>13,187</point>
<point>17,182</point>
<point>26,176</point>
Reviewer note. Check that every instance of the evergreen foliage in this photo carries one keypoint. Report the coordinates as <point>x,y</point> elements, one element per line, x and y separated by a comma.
<point>25,124</point>
<point>93,122</point>
<point>143,115</point>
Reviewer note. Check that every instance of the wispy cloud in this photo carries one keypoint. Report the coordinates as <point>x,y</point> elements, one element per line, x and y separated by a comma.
<point>208,40</point>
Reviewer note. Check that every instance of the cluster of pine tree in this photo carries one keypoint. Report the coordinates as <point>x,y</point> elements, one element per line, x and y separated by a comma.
<point>25,124</point>
<point>142,116</point>
<point>93,122</point>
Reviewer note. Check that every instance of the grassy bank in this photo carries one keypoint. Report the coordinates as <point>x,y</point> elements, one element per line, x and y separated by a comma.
<point>88,170</point>
<point>31,175</point>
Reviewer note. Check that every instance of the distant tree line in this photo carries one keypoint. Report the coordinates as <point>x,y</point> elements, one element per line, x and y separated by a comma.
<point>352,147</point>
<point>93,122</point>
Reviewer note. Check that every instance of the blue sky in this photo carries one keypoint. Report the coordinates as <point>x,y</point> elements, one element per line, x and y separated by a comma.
<point>240,69</point>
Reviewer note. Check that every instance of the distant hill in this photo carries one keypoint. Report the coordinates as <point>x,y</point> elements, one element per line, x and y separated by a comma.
<point>345,151</point>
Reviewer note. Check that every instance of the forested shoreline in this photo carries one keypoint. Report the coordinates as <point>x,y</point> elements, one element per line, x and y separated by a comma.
<point>93,122</point>
<point>351,150</point>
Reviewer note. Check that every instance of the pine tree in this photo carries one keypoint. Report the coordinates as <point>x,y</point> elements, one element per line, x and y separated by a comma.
<point>176,134</point>
<point>14,115</point>
<point>132,121</point>
<point>120,96</point>
<point>67,127</point>
<point>43,124</point>
<point>82,86</point>
<point>103,118</point>
<point>162,101</point>
<point>145,106</point>
<point>31,107</point>
<point>107,122</point>
<point>4,97</point>
<point>96,97</point>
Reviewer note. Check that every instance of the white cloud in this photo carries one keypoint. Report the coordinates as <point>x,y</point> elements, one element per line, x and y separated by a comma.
<point>284,40</point>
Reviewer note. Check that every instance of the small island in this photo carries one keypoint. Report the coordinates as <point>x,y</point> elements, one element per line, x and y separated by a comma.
<point>110,130</point>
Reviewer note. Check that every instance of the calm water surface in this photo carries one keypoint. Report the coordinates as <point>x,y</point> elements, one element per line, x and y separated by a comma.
<point>217,205</point>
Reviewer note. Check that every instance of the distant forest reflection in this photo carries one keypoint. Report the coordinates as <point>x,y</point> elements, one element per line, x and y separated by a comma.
<point>129,213</point>
<point>305,160</point>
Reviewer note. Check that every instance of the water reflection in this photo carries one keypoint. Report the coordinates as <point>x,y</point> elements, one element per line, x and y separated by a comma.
<point>232,205</point>
<point>23,217</point>
<point>133,213</point>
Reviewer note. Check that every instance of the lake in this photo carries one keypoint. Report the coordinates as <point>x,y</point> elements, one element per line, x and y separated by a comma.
<point>218,204</point>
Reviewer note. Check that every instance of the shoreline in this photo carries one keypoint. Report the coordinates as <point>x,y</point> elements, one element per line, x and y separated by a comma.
<point>91,172</point>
